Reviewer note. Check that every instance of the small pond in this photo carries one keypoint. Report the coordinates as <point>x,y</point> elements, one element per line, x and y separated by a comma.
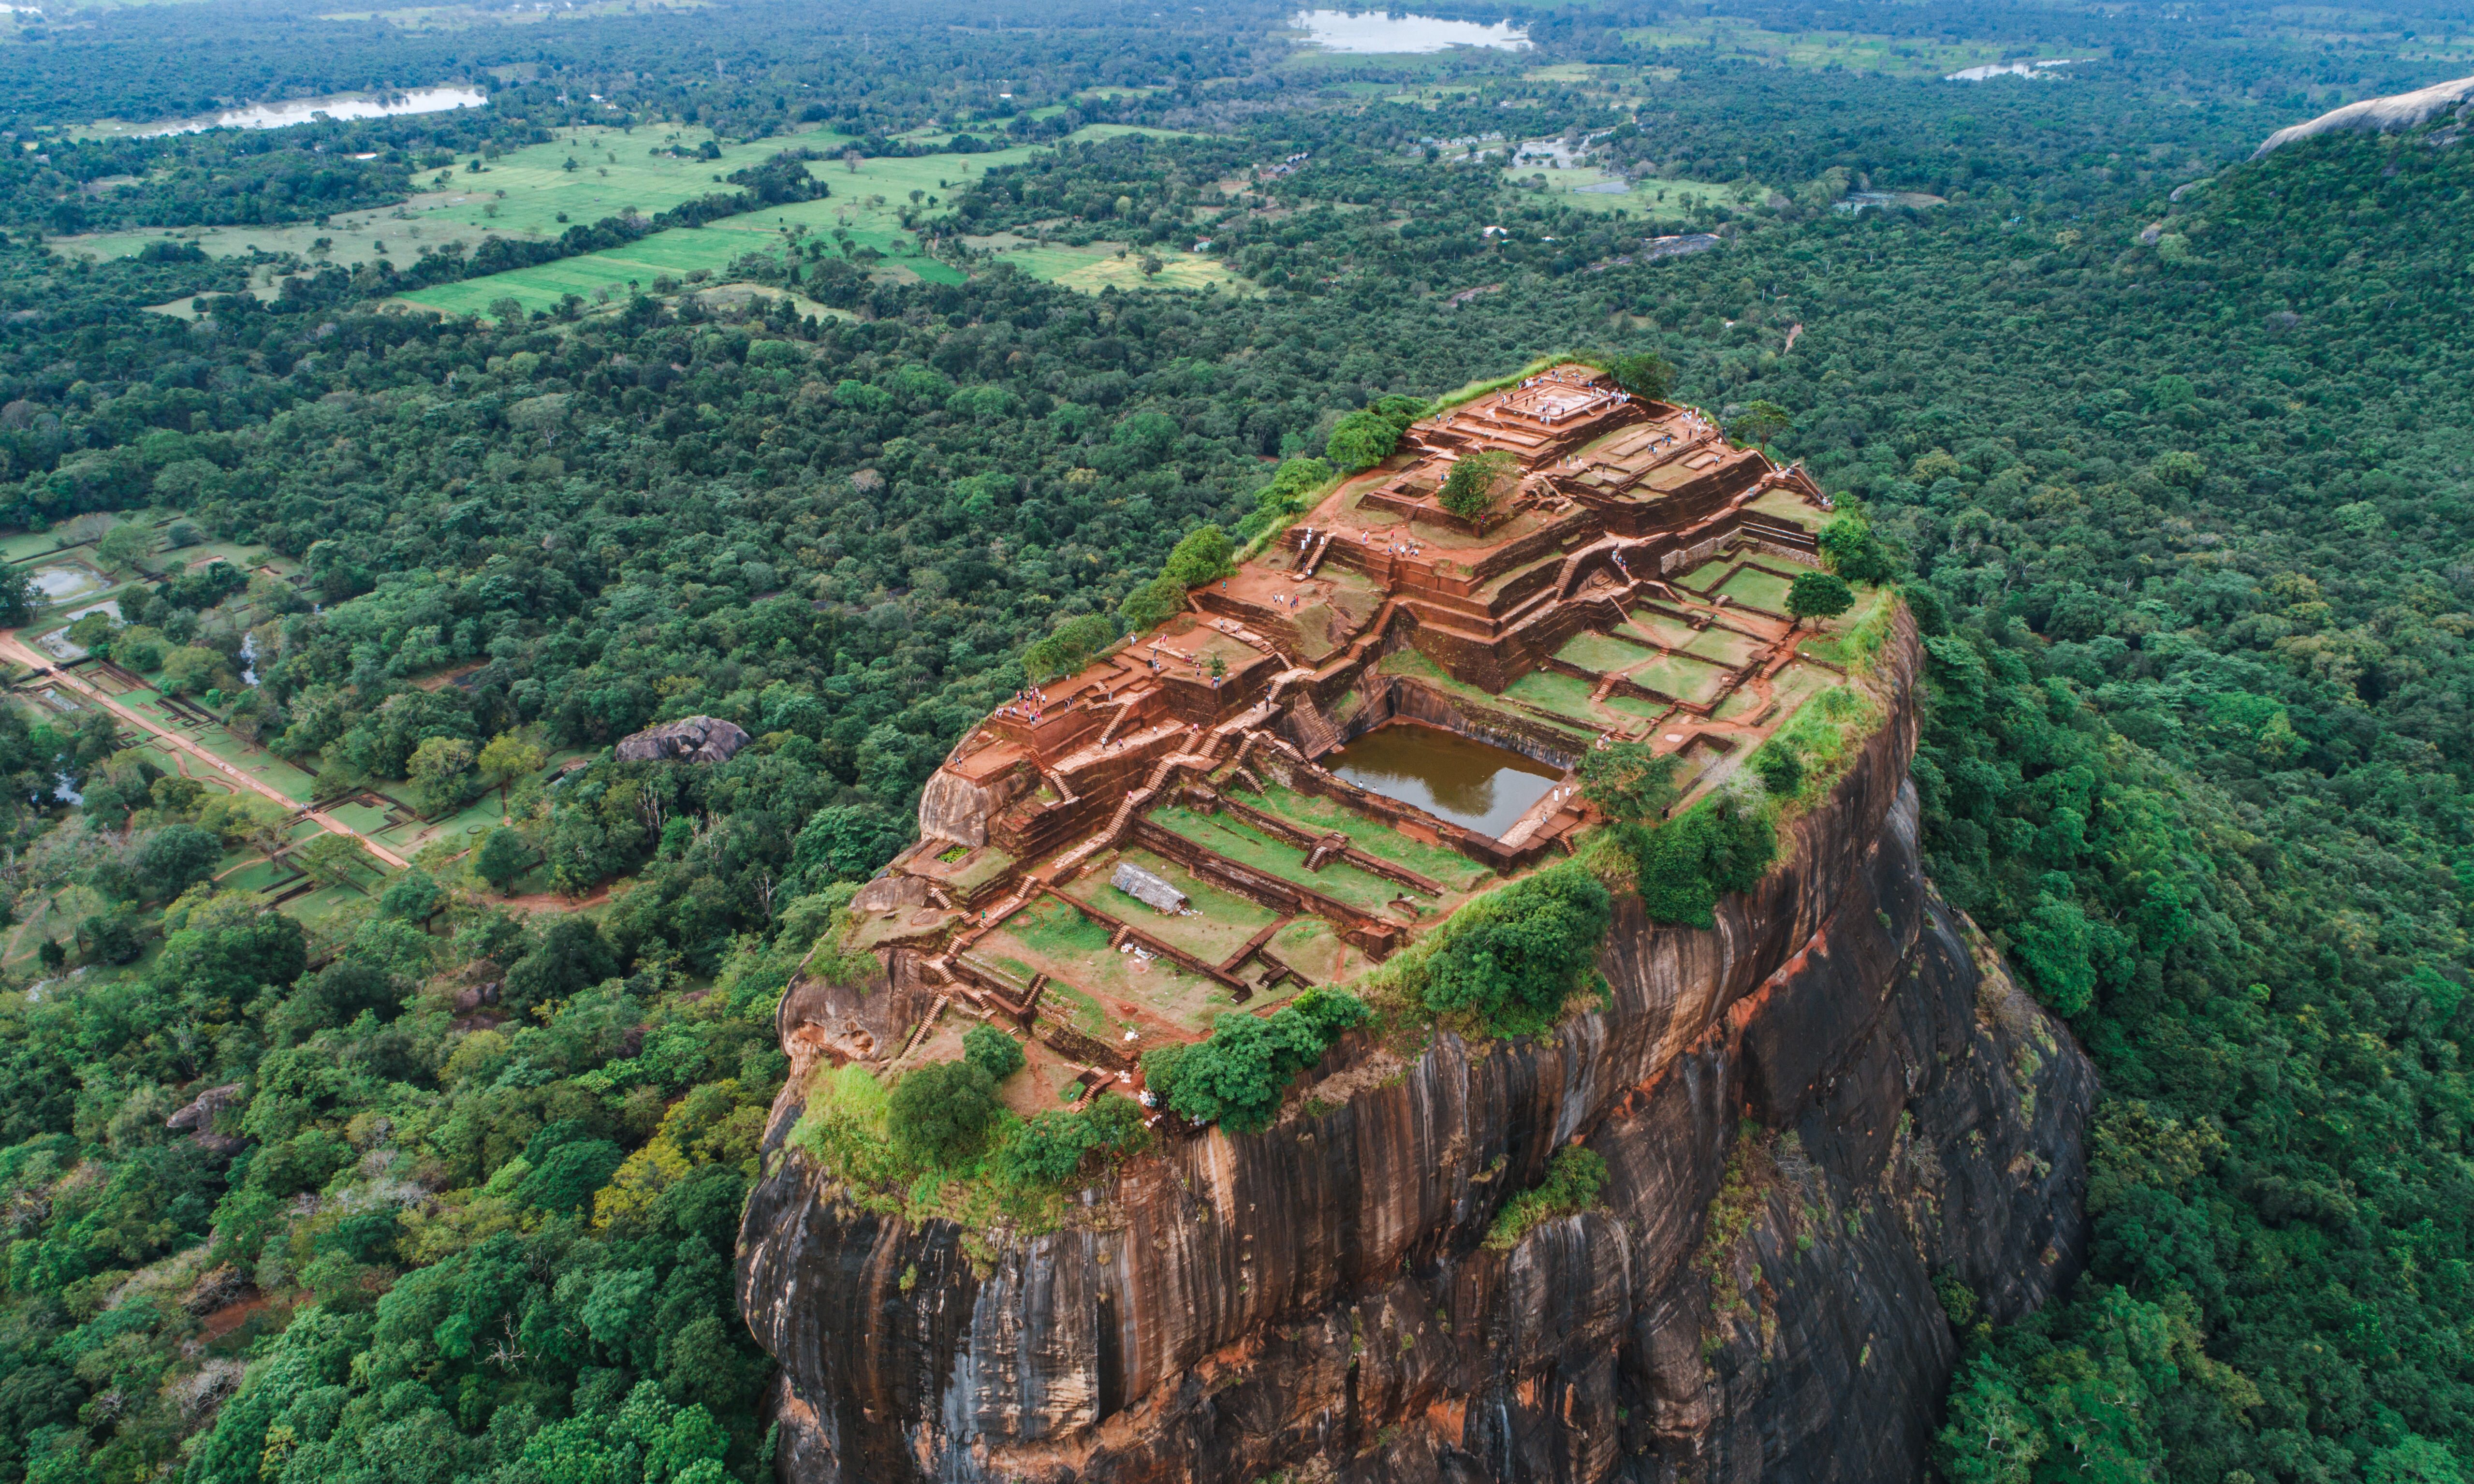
<point>1475,785</point>
<point>1372,31</point>
<point>63,581</point>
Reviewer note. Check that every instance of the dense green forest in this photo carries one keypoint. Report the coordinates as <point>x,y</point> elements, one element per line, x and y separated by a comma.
<point>2179,488</point>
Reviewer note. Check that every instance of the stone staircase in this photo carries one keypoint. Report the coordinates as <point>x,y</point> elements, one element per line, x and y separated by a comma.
<point>1316,732</point>
<point>927,1023</point>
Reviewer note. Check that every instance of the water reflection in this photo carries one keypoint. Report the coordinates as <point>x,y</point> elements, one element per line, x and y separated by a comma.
<point>300,111</point>
<point>1372,31</point>
<point>1473,784</point>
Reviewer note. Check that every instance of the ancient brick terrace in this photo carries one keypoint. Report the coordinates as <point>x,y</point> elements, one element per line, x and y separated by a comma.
<point>1627,581</point>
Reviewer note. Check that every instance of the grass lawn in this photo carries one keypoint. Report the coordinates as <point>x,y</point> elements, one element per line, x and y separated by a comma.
<point>1601,653</point>
<point>1310,946</point>
<point>1790,507</point>
<point>1561,694</point>
<point>1255,850</point>
<point>1099,265</point>
<point>1758,589</point>
<point>1218,925</point>
<point>1700,578</point>
<point>1724,646</point>
<point>1056,940</point>
<point>1682,677</point>
<point>1377,838</point>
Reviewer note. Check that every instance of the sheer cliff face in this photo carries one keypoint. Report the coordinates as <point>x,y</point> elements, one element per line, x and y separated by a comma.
<point>1807,1115</point>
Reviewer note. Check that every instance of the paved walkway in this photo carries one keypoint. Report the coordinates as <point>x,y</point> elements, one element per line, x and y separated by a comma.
<point>12,648</point>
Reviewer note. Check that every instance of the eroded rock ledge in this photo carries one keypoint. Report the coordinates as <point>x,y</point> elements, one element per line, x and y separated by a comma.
<point>1315,1299</point>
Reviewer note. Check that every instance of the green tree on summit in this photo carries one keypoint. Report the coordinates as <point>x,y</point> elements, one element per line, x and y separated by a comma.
<point>1818,594</point>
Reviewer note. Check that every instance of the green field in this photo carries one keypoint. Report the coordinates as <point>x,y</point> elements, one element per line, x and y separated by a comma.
<point>1856,51</point>
<point>529,189</point>
<point>1101,264</point>
<point>864,207</point>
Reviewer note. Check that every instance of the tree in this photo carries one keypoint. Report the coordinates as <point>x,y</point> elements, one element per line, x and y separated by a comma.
<point>331,858</point>
<point>1818,594</point>
<point>1238,1076</point>
<point>1760,422</point>
<point>414,896</point>
<point>502,857</point>
<point>19,603</point>
<point>1204,554</point>
<point>124,546</point>
<point>1849,545</point>
<point>174,857</point>
<point>1361,440</point>
<point>939,1112</point>
<point>191,667</point>
<point>1683,868</point>
<point>1469,488</point>
<point>442,767</point>
<point>993,1052</point>
<point>1645,374</point>
<point>508,757</point>
<point>1627,781</point>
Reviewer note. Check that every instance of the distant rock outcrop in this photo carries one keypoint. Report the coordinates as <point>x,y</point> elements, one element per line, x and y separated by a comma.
<point>2377,115</point>
<point>692,740</point>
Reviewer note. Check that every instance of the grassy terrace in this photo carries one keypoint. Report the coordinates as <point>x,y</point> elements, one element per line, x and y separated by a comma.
<point>1723,645</point>
<point>1559,695</point>
<point>1218,925</point>
<point>1456,871</point>
<point>1681,677</point>
<point>1097,990</point>
<point>1410,665</point>
<point>1602,654</point>
<point>1228,836</point>
<point>1757,587</point>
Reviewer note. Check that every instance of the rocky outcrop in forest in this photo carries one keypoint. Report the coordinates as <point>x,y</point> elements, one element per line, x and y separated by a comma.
<point>1808,1114</point>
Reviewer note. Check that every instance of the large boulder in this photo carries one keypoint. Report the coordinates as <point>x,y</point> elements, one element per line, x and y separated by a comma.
<point>693,739</point>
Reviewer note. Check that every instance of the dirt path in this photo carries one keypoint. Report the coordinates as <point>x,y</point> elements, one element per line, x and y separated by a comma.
<point>12,648</point>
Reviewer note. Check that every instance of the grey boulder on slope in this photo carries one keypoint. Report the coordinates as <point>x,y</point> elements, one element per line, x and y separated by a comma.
<point>2377,115</point>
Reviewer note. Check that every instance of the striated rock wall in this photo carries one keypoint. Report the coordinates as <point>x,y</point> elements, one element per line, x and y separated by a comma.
<point>1807,1112</point>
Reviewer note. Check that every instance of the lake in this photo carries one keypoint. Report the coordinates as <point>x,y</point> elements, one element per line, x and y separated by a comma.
<point>300,111</point>
<point>1372,31</point>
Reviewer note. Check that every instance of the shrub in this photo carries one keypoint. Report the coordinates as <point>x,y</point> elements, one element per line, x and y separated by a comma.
<point>1366,437</point>
<point>1069,646</point>
<point>1683,868</point>
<point>1628,780</point>
<point>938,1114</point>
<point>992,1051</point>
<point>1778,766</point>
<point>1513,956</point>
<point>1469,488</point>
<point>1571,1186</point>
<point>1237,1076</point>
<point>1050,1149</point>
<point>1203,556</point>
